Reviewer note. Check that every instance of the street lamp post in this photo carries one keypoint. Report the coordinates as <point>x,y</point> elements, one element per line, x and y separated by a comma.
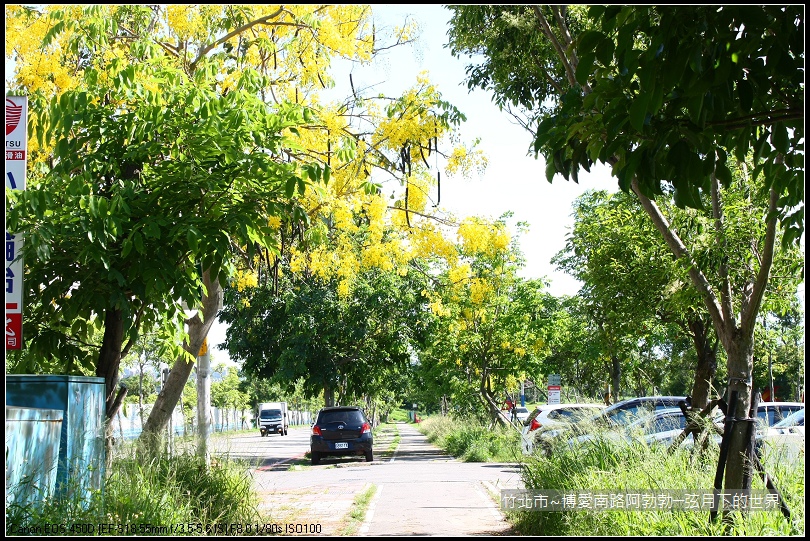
<point>203,400</point>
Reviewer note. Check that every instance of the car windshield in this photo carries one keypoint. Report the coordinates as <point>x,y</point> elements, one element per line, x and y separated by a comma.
<point>270,414</point>
<point>794,419</point>
<point>340,416</point>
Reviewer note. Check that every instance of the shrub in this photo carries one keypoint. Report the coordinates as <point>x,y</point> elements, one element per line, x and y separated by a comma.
<point>605,465</point>
<point>150,495</point>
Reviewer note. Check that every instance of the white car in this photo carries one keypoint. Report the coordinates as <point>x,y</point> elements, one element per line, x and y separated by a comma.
<point>660,426</point>
<point>770,413</point>
<point>553,416</point>
<point>785,437</point>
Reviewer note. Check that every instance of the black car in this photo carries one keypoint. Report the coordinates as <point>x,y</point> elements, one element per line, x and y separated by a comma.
<point>340,431</point>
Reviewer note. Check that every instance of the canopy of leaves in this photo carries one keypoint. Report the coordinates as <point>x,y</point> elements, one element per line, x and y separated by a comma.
<point>664,94</point>
<point>151,175</point>
<point>353,344</point>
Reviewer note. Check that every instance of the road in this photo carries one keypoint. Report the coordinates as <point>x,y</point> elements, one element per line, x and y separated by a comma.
<point>415,490</point>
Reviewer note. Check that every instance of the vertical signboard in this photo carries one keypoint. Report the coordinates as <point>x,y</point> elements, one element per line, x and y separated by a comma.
<point>554,389</point>
<point>16,159</point>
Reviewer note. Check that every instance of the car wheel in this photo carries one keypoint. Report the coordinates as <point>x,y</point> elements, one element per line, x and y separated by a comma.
<point>369,455</point>
<point>316,458</point>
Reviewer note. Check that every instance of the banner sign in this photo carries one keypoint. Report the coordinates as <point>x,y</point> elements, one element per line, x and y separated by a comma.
<point>554,394</point>
<point>16,160</point>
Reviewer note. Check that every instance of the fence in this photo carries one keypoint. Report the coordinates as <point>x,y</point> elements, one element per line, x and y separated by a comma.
<point>127,424</point>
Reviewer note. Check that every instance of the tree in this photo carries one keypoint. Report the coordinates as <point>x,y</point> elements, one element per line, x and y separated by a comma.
<point>666,95</point>
<point>344,346</point>
<point>144,186</point>
<point>573,346</point>
<point>282,55</point>
<point>627,270</point>
<point>147,355</point>
<point>490,325</point>
<point>226,392</point>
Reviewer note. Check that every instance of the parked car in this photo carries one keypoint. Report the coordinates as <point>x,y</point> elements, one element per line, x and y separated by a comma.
<point>771,413</point>
<point>775,412</point>
<point>616,415</point>
<point>659,426</point>
<point>785,437</point>
<point>793,423</point>
<point>553,416</point>
<point>340,431</point>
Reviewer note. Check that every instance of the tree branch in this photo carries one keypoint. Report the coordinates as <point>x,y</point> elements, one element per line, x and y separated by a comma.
<point>680,251</point>
<point>749,313</point>
<point>717,213</point>
<point>759,119</point>
<point>570,66</point>
<point>263,20</point>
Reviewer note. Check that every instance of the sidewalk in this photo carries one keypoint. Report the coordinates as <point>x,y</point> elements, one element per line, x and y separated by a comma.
<point>437,494</point>
<point>419,491</point>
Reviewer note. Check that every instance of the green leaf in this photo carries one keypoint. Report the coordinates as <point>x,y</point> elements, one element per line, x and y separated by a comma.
<point>589,40</point>
<point>604,52</point>
<point>779,138</point>
<point>289,187</point>
<point>550,170</point>
<point>723,174</point>
<point>687,195</point>
<point>584,68</point>
<point>137,239</point>
<point>61,148</point>
<point>759,146</point>
<point>638,111</point>
<point>193,241</point>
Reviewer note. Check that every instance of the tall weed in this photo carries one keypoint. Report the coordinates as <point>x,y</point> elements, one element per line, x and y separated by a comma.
<point>469,440</point>
<point>147,495</point>
<point>605,465</point>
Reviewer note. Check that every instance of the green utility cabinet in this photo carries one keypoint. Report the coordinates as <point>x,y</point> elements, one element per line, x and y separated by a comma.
<point>82,452</point>
<point>32,455</point>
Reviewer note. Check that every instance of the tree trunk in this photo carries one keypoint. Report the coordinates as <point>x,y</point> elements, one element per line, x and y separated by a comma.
<point>615,376</point>
<point>489,402</point>
<point>140,391</point>
<point>706,365</point>
<point>740,372</point>
<point>328,396</point>
<point>109,361</point>
<point>737,338</point>
<point>178,376</point>
<point>109,357</point>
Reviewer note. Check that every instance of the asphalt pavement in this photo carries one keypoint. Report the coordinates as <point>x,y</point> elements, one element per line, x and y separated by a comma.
<point>420,491</point>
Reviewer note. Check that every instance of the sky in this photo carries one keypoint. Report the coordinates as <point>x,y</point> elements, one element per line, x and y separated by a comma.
<point>513,181</point>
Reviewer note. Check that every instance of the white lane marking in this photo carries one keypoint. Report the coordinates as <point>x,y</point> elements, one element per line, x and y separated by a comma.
<point>370,512</point>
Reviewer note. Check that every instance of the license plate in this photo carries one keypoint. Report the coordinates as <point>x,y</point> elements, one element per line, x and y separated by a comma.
<point>342,445</point>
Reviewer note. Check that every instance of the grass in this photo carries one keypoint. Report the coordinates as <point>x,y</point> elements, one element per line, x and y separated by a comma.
<point>605,466</point>
<point>151,496</point>
<point>398,415</point>
<point>472,442</point>
<point>358,512</point>
<point>611,466</point>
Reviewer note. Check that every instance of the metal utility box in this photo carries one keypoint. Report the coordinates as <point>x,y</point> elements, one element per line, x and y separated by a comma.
<point>32,454</point>
<point>81,449</point>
